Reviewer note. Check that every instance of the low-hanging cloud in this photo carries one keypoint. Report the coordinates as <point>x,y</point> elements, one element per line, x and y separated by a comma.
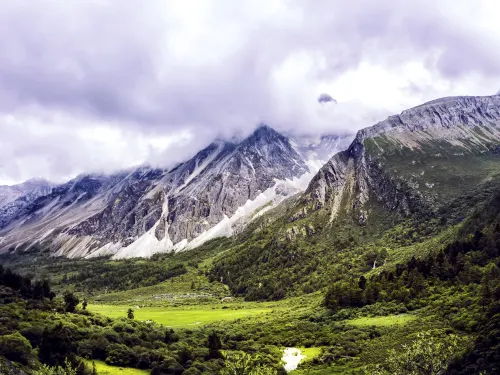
<point>194,70</point>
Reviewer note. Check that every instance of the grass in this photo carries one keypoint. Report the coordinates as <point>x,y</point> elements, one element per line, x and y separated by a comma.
<point>335,369</point>
<point>382,321</point>
<point>177,286</point>
<point>105,369</point>
<point>181,318</point>
<point>310,353</point>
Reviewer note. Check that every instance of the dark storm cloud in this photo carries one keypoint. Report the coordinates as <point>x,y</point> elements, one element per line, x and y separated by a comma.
<point>156,67</point>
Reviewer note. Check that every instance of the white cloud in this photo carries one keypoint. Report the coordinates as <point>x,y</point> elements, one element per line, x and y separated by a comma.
<point>96,86</point>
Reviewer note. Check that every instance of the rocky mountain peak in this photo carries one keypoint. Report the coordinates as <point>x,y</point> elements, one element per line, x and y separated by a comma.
<point>408,163</point>
<point>16,197</point>
<point>263,134</point>
<point>36,182</point>
<point>438,114</point>
<point>137,213</point>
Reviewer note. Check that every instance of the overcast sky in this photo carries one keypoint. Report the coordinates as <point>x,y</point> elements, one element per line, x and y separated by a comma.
<point>99,85</point>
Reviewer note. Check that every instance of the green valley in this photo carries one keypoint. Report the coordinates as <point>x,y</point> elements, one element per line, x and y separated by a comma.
<point>387,263</point>
<point>179,317</point>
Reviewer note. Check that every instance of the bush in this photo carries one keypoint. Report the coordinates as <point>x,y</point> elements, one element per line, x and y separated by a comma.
<point>167,367</point>
<point>34,334</point>
<point>70,302</point>
<point>121,355</point>
<point>67,369</point>
<point>56,345</point>
<point>192,371</point>
<point>16,348</point>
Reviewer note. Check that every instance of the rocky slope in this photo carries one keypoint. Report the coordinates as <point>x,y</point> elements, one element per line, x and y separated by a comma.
<point>399,190</point>
<point>14,198</point>
<point>140,212</point>
<point>412,163</point>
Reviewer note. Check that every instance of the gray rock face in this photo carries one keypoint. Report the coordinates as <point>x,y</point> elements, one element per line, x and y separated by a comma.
<point>57,210</point>
<point>125,213</point>
<point>441,114</point>
<point>149,210</point>
<point>237,174</point>
<point>193,197</point>
<point>371,168</point>
<point>326,98</point>
<point>16,197</point>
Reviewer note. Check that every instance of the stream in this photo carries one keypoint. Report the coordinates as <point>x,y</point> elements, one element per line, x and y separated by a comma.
<point>292,358</point>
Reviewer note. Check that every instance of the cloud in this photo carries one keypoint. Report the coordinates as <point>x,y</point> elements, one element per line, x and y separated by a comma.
<point>195,70</point>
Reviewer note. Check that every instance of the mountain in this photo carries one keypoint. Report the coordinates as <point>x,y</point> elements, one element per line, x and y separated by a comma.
<point>421,163</point>
<point>391,248</point>
<point>148,210</point>
<point>15,197</point>
<point>420,160</point>
<point>30,188</point>
<point>399,190</point>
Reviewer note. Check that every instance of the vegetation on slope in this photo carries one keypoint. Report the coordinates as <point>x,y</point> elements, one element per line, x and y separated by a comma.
<point>361,294</point>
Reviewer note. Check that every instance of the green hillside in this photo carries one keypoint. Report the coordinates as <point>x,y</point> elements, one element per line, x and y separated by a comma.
<point>387,264</point>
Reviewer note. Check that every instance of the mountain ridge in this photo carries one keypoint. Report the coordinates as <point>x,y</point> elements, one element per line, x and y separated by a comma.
<point>389,196</point>
<point>152,210</point>
<point>14,198</point>
<point>446,128</point>
<point>397,164</point>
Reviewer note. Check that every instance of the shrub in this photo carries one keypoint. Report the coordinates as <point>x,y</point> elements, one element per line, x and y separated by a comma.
<point>121,355</point>
<point>16,348</point>
<point>70,302</point>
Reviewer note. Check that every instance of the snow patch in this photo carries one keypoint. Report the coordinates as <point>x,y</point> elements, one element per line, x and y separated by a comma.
<point>145,246</point>
<point>316,153</point>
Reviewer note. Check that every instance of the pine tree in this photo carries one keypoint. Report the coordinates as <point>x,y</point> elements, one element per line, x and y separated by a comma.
<point>70,301</point>
<point>130,314</point>
<point>214,346</point>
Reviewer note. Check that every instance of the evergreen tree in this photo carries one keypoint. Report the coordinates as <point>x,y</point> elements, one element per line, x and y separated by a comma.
<point>362,283</point>
<point>130,314</point>
<point>70,302</point>
<point>170,336</point>
<point>214,346</point>
<point>56,345</point>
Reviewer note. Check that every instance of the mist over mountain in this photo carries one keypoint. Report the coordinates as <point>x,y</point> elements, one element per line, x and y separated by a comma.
<point>261,187</point>
<point>148,210</point>
<point>230,183</point>
<point>162,83</point>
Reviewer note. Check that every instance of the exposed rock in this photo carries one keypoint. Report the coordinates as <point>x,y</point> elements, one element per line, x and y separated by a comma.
<point>301,214</point>
<point>326,98</point>
<point>310,230</point>
<point>16,197</point>
<point>147,210</point>
<point>468,125</point>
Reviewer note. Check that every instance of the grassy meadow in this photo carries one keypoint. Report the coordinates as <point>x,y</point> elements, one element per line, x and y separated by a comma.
<point>178,317</point>
<point>105,369</point>
<point>382,321</point>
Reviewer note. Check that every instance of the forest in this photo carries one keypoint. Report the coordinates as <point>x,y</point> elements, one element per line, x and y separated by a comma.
<point>431,306</point>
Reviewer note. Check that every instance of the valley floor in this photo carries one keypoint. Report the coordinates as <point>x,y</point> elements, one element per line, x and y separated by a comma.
<point>180,317</point>
<point>289,326</point>
<point>171,314</point>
